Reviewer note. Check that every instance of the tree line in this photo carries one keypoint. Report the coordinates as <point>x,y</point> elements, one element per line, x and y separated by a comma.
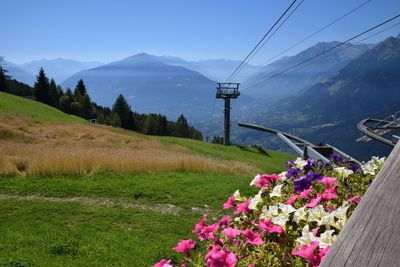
<point>79,103</point>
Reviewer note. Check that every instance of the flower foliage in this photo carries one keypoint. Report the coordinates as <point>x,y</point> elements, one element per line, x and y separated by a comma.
<point>292,221</point>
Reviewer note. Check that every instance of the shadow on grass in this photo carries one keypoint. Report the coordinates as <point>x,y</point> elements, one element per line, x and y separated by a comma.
<point>259,150</point>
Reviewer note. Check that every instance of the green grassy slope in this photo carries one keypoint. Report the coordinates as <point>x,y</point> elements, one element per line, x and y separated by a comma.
<point>267,160</point>
<point>113,219</point>
<point>15,105</point>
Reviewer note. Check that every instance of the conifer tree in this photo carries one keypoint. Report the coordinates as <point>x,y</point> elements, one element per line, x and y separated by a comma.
<point>81,88</point>
<point>123,109</point>
<point>41,88</point>
<point>116,120</point>
<point>53,93</point>
<point>86,106</point>
<point>3,80</point>
<point>182,127</point>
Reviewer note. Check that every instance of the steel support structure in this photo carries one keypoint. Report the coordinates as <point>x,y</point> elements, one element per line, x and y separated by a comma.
<point>227,91</point>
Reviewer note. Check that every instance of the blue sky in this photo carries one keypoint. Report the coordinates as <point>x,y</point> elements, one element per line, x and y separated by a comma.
<point>106,30</point>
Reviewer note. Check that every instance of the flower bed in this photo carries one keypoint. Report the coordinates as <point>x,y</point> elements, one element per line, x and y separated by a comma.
<point>292,221</point>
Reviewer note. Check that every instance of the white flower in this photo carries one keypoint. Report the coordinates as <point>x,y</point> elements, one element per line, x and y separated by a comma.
<point>369,168</point>
<point>379,160</point>
<point>283,176</point>
<point>255,200</point>
<point>237,195</point>
<point>306,236</point>
<point>286,208</point>
<point>269,212</point>
<point>343,172</point>
<point>328,219</point>
<point>300,163</point>
<point>300,215</point>
<point>316,214</point>
<point>253,182</point>
<point>327,238</point>
<point>276,192</point>
<point>341,213</point>
<point>281,219</point>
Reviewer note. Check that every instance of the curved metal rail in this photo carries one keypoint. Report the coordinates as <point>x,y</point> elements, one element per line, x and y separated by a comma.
<point>375,128</point>
<point>302,147</point>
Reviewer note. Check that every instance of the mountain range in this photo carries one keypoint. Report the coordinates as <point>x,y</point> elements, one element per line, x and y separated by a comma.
<point>59,69</point>
<point>328,111</point>
<point>150,86</point>
<point>313,71</point>
<point>321,100</point>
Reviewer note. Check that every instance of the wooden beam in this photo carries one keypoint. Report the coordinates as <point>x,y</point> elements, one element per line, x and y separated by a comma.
<point>371,237</point>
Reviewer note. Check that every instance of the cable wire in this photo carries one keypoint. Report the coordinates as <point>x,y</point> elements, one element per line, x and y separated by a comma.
<point>322,53</point>
<point>269,38</point>
<point>262,39</point>
<point>308,37</point>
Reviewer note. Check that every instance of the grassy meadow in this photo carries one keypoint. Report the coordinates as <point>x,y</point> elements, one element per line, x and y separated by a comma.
<point>76,194</point>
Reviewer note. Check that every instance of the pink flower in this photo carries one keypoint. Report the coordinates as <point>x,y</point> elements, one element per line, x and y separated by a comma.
<point>308,253</point>
<point>231,232</point>
<point>328,181</point>
<point>163,263</point>
<point>322,252</point>
<point>265,180</point>
<point>267,226</point>
<point>330,208</point>
<point>218,257</point>
<point>253,238</point>
<point>224,222</point>
<point>230,202</point>
<point>355,200</point>
<point>184,246</point>
<point>314,202</point>
<point>329,193</point>
<point>208,232</point>
<point>306,193</point>
<point>291,200</point>
<point>315,231</point>
<point>243,207</point>
<point>199,226</point>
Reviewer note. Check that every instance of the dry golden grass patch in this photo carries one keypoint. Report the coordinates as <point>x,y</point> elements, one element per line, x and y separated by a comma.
<point>35,148</point>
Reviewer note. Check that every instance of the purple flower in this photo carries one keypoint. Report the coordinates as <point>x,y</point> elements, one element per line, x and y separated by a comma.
<point>336,158</point>
<point>316,176</point>
<point>289,164</point>
<point>302,183</point>
<point>309,165</point>
<point>354,166</point>
<point>293,172</point>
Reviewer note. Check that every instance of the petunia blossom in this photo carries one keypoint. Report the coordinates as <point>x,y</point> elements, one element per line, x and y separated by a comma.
<point>243,207</point>
<point>355,200</point>
<point>224,222</point>
<point>184,246</point>
<point>267,226</point>
<point>253,238</point>
<point>231,232</point>
<point>218,257</point>
<point>230,203</point>
<point>199,226</point>
<point>163,263</point>
<point>308,253</point>
<point>208,232</point>
<point>327,181</point>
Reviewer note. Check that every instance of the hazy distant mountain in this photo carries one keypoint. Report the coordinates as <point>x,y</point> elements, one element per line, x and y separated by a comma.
<point>305,76</point>
<point>368,86</point>
<point>19,74</point>
<point>215,69</point>
<point>150,86</point>
<point>59,69</point>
